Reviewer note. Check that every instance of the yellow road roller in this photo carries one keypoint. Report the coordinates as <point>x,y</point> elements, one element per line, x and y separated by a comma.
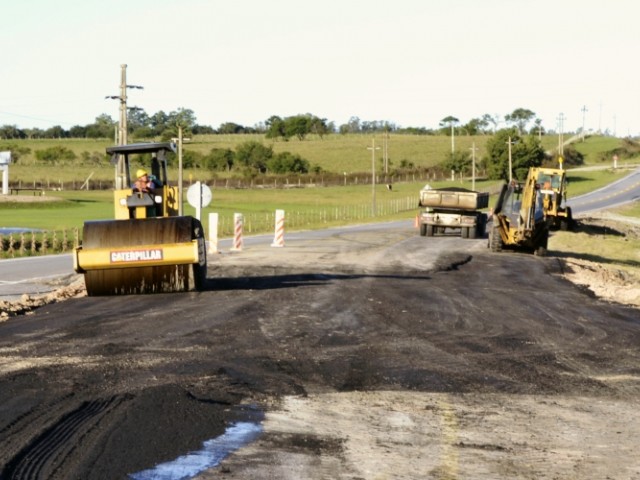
<point>148,247</point>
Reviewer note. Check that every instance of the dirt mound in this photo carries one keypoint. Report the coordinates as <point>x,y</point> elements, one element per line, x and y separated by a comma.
<point>27,304</point>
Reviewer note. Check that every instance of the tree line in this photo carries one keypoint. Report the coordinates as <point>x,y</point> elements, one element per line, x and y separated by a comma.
<point>142,125</point>
<point>252,158</point>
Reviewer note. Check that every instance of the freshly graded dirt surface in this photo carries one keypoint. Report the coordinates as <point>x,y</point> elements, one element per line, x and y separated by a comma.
<point>372,354</point>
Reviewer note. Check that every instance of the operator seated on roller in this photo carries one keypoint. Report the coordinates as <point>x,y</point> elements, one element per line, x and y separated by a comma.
<point>145,183</point>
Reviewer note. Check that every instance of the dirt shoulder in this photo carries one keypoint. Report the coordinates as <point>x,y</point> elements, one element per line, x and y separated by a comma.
<point>586,257</point>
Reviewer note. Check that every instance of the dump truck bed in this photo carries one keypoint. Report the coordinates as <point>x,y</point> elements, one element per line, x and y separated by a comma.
<point>453,198</point>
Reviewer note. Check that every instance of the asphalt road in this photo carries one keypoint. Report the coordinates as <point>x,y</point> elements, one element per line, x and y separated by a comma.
<point>39,275</point>
<point>373,353</point>
<point>621,192</point>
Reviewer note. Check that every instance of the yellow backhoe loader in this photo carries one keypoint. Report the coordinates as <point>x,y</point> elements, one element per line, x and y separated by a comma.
<point>518,218</point>
<point>148,248</point>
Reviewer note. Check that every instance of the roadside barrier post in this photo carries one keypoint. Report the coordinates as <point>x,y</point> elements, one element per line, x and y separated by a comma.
<point>238,222</point>
<point>213,233</point>
<point>278,239</point>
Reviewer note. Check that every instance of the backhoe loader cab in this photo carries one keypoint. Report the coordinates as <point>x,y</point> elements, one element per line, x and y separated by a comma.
<point>553,189</point>
<point>148,248</point>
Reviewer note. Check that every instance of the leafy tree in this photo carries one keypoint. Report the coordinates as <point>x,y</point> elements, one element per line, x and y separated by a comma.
<point>78,131</point>
<point>526,152</point>
<point>253,156</point>
<point>56,132</point>
<point>297,126</point>
<point>447,124</point>
<point>287,162</point>
<point>183,117</point>
<point>275,127</point>
<point>492,120</point>
<point>520,117</point>
<point>103,127</point>
<point>9,132</point>
<point>537,128</point>
<point>459,161</point>
<point>220,159</point>
<point>475,126</point>
<point>192,159</point>
<point>137,118</point>
<point>353,126</point>
<point>230,128</point>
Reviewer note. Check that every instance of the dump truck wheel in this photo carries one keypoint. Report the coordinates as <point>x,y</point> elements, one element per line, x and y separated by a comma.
<point>430,230</point>
<point>464,232</point>
<point>423,229</point>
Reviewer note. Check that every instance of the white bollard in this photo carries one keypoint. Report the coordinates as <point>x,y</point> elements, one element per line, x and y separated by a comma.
<point>278,238</point>
<point>238,222</point>
<point>213,233</point>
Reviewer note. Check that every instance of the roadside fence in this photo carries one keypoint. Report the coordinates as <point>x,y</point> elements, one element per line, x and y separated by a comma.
<point>22,244</point>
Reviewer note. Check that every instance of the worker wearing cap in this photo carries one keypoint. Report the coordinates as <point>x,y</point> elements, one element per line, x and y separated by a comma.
<point>144,183</point>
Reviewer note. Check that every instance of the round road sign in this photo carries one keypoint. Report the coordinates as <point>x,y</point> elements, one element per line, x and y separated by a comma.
<point>199,194</point>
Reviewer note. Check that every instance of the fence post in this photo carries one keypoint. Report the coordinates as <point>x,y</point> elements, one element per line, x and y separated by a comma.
<point>238,221</point>
<point>278,238</point>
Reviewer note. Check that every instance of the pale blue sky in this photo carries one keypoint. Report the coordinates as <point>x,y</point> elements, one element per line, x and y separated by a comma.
<point>412,62</point>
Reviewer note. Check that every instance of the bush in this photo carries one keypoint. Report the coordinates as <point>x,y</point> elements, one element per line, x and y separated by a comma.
<point>55,154</point>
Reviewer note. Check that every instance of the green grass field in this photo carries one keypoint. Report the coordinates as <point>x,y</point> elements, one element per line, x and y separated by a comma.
<point>305,207</point>
<point>334,153</point>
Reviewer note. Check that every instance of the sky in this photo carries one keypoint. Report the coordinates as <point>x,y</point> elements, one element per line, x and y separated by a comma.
<point>409,62</point>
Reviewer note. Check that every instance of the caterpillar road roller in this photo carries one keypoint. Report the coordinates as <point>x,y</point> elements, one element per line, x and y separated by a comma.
<point>148,247</point>
<point>518,221</point>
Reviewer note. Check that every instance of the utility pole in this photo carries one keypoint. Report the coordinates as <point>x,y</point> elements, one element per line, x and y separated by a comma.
<point>180,195</point>
<point>510,162</point>
<point>121,175</point>
<point>584,111</point>
<point>560,134</point>
<point>385,151</point>
<point>453,149</point>
<point>373,149</point>
<point>122,124</point>
<point>473,165</point>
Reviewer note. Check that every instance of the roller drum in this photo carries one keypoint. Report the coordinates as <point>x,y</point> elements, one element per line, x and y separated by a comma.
<point>144,279</point>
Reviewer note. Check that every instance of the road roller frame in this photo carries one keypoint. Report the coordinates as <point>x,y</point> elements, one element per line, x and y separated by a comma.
<point>148,248</point>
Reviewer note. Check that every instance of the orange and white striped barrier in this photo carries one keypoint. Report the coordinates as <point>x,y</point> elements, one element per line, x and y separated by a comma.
<point>238,223</point>
<point>213,233</point>
<point>278,238</point>
<point>416,221</point>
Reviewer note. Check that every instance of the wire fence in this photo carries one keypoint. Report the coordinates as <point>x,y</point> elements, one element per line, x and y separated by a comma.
<point>317,218</point>
<point>33,243</point>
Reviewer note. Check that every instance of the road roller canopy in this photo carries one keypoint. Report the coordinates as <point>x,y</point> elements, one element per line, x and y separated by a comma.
<point>120,158</point>
<point>149,147</point>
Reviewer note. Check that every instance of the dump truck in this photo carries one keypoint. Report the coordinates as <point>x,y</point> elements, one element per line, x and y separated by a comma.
<point>452,208</point>
<point>148,247</point>
<point>518,219</point>
<point>553,188</point>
